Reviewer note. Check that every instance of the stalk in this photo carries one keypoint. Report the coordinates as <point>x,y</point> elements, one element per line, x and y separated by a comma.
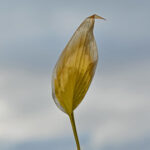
<point>74,130</point>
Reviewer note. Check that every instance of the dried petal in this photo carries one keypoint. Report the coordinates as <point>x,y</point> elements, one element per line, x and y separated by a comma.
<point>75,68</point>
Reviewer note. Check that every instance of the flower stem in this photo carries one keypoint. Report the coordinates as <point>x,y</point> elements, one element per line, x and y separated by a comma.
<point>74,130</point>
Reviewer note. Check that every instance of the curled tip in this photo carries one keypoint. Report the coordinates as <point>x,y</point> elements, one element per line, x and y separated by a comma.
<point>96,17</point>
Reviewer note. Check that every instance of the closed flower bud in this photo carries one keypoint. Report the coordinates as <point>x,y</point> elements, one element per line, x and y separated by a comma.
<point>75,67</point>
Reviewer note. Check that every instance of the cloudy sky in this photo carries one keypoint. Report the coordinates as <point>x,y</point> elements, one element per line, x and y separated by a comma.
<point>114,114</point>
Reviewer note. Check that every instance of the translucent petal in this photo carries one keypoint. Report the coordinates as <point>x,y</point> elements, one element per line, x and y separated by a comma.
<point>75,68</point>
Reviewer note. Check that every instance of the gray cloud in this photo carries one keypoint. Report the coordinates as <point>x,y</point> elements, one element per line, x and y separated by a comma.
<point>115,110</point>
<point>31,34</point>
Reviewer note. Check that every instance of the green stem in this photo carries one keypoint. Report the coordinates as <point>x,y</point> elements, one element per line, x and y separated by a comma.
<point>74,130</point>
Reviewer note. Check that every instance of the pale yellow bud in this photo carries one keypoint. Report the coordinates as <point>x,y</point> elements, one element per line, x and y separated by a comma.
<point>75,67</point>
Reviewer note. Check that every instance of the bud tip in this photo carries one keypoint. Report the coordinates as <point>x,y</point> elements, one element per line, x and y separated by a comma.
<point>96,17</point>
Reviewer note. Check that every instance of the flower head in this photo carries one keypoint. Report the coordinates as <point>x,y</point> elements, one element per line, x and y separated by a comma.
<point>75,68</point>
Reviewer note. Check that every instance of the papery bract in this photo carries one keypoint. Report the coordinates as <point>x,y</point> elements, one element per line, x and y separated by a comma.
<point>75,69</point>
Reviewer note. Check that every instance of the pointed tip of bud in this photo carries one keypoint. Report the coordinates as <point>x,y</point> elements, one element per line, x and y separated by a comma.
<point>96,17</point>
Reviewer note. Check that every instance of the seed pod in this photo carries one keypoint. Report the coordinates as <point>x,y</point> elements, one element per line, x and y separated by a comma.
<point>75,68</point>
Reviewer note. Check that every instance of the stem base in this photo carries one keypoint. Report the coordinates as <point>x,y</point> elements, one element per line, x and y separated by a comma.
<point>72,120</point>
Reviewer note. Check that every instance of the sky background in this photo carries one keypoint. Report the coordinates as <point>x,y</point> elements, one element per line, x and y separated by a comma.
<point>114,114</point>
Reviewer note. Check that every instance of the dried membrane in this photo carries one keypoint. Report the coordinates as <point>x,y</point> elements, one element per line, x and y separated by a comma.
<point>75,68</point>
